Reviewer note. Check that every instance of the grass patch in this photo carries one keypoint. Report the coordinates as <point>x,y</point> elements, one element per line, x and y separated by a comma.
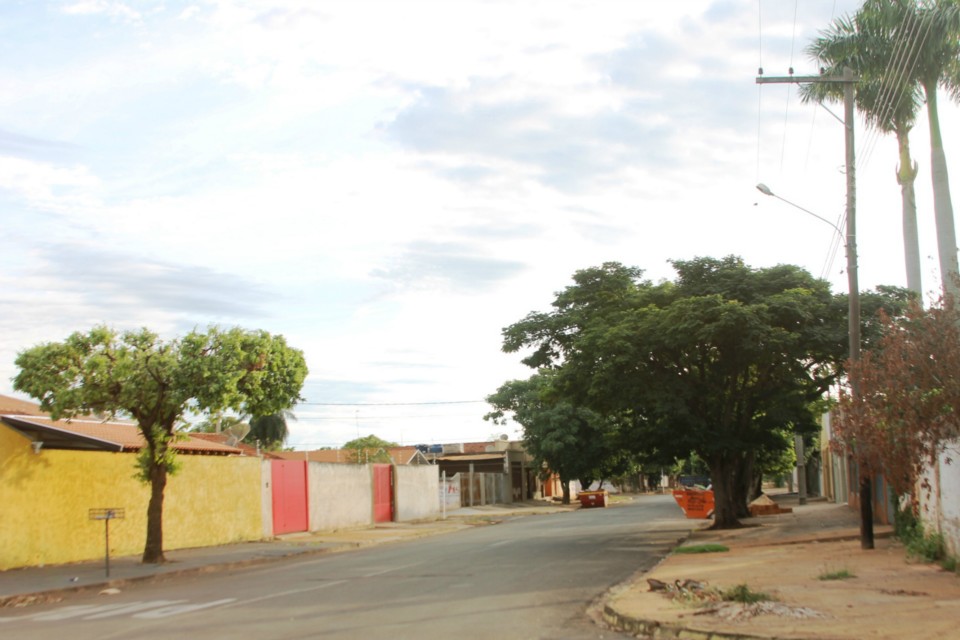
<point>920,544</point>
<point>702,548</point>
<point>840,574</point>
<point>743,594</point>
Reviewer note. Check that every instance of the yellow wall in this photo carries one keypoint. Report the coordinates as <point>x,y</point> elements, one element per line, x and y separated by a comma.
<point>45,500</point>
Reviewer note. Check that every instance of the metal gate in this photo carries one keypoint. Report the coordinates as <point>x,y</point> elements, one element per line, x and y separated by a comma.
<point>382,493</point>
<point>289,490</point>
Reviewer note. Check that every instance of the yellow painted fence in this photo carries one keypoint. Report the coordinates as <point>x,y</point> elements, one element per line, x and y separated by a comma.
<point>46,497</point>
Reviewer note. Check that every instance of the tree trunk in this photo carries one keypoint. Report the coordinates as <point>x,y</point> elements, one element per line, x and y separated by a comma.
<point>756,490</point>
<point>866,511</point>
<point>153,550</point>
<point>942,202</point>
<point>906,177</point>
<point>743,472</point>
<point>565,484</point>
<point>724,478</point>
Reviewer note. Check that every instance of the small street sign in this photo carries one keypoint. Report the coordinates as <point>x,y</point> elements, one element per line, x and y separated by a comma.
<point>107,514</point>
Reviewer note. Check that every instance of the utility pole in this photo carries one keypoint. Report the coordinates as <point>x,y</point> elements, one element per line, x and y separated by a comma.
<point>848,80</point>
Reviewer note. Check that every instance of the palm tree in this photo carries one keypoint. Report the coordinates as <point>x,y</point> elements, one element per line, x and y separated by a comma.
<point>216,423</point>
<point>937,25</point>
<point>905,50</point>
<point>888,102</point>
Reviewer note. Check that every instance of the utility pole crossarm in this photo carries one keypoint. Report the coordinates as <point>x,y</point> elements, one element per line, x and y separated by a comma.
<point>804,79</point>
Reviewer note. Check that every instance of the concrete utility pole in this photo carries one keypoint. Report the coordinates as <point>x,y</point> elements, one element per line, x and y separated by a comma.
<point>848,80</point>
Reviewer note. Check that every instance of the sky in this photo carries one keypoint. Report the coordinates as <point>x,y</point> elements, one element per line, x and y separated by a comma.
<point>390,184</point>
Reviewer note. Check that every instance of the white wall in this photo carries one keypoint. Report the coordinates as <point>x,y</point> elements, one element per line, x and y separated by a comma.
<point>340,495</point>
<point>940,510</point>
<point>266,496</point>
<point>417,491</point>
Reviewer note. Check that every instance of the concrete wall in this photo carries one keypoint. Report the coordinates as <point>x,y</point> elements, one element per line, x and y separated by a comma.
<point>266,497</point>
<point>339,495</point>
<point>950,498</point>
<point>45,500</point>
<point>417,492</point>
<point>940,506</point>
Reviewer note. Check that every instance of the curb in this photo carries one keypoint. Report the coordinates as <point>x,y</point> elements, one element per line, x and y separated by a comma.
<point>658,630</point>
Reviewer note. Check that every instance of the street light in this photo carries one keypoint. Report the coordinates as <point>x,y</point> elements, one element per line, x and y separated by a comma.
<point>853,325</point>
<point>765,190</point>
<point>852,284</point>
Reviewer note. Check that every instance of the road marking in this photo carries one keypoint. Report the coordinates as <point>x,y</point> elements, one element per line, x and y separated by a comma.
<point>133,607</point>
<point>286,593</point>
<point>149,610</point>
<point>391,570</point>
<point>176,610</point>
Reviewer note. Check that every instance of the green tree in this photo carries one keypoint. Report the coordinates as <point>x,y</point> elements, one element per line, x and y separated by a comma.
<point>573,442</point>
<point>369,449</point>
<point>156,382</point>
<point>716,363</point>
<point>888,99</point>
<point>902,47</point>
<point>270,431</point>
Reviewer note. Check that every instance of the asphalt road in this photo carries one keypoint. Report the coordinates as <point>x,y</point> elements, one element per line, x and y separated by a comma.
<point>527,577</point>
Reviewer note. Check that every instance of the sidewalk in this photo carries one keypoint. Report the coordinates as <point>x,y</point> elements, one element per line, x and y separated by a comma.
<point>784,556</point>
<point>34,585</point>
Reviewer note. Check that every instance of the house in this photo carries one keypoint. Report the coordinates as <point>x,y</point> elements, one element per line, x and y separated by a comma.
<point>500,471</point>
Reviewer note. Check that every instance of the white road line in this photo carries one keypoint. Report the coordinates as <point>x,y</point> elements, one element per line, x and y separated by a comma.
<point>391,570</point>
<point>289,592</point>
<point>133,607</point>
<point>176,610</point>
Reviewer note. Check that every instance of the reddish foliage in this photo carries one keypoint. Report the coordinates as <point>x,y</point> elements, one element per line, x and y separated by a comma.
<point>902,402</point>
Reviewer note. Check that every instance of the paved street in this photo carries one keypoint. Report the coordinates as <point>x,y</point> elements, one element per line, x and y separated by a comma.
<point>528,577</point>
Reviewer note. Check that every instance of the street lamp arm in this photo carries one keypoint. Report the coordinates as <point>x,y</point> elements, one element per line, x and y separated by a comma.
<point>765,190</point>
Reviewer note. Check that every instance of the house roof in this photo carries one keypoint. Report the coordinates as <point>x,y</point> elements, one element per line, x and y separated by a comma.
<point>14,406</point>
<point>91,434</point>
<point>246,449</point>
<point>94,435</point>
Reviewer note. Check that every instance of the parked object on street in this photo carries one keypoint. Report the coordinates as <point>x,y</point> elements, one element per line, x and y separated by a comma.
<point>589,499</point>
<point>696,503</point>
<point>766,506</point>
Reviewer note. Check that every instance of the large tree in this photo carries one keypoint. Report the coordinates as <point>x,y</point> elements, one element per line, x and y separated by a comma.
<point>574,442</point>
<point>718,362</point>
<point>886,96</point>
<point>156,382</point>
<point>903,49</point>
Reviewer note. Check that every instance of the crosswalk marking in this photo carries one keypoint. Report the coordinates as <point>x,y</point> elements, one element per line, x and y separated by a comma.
<point>150,610</point>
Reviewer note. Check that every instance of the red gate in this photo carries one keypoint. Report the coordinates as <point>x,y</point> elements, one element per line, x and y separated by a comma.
<point>289,492</point>
<point>382,493</point>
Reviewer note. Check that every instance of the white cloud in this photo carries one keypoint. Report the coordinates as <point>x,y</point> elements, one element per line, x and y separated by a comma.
<point>389,184</point>
<point>112,8</point>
